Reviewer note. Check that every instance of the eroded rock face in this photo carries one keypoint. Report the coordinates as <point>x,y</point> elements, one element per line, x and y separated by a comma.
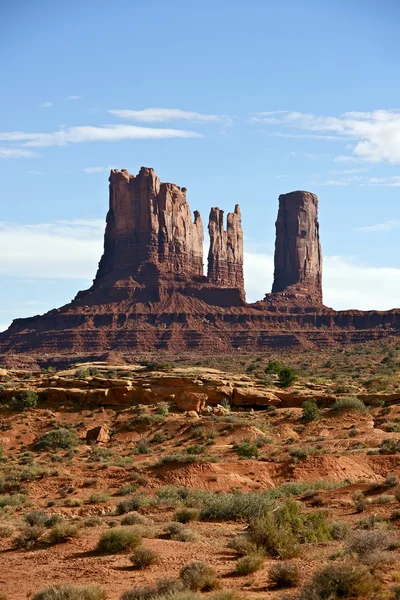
<point>225,256</point>
<point>298,256</point>
<point>150,229</point>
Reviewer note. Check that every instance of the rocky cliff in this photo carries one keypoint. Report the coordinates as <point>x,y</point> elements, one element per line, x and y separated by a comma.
<point>150,292</point>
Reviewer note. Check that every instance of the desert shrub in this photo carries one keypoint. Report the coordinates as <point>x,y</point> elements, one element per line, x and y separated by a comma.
<point>287,377</point>
<point>73,502</point>
<point>143,446</point>
<point>300,453</point>
<point>12,500</point>
<point>198,576</point>
<point>36,517</point>
<point>283,574</point>
<point>249,564</point>
<point>360,502</point>
<point>391,481</point>
<point>57,438</point>
<point>6,530</point>
<point>349,404</point>
<point>25,401</point>
<point>162,409</point>
<point>118,539</point>
<point>180,533</point>
<point>171,588</point>
<point>242,545</point>
<point>144,557</point>
<point>99,454</point>
<point>29,536</point>
<point>273,367</point>
<point>310,411</point>
<point>391,446</point>
<point>280,532</point>
<point>134,518</point>
<point>341,580</point>
<point>62,532</point>
<point>233,506</point>
<point>339,530</point>
<point>184,515</point>
<point>367,542</point>
<point>98,497</point>
<point>71,592</point>
<point>130,504</point>
<point>246,449</point>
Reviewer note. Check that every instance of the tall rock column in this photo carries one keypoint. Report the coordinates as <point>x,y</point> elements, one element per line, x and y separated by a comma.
<point>225,256</point>
<point>298,256</point>
<point>150,230</point>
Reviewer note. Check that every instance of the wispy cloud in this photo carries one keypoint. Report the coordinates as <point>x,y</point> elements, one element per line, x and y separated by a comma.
<point>376,134</point>
<point>387,225</point>
<point>16,153</point>
<point>384,181</point>
<point>35,172</point>
<point>46,104</point>
<point>88,133</point>
<point>160,115</point>
<point>93,170</point>
<point>72,98</point>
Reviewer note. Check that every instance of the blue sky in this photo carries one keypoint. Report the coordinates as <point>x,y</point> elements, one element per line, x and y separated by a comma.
<point>238,101</point>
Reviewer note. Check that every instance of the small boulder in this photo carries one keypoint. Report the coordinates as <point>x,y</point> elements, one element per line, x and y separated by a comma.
<point>192,414</point>
<point>98,435</point>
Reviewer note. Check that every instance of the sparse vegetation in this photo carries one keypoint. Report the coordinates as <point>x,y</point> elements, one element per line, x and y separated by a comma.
<point>198,576</point>
<point>283,575</point>
<point>71,592</point>
<point>349,404</point>
<point>57,438</point>
<point>144,557</point>
<point>336,581</point>
<point>118,539</point>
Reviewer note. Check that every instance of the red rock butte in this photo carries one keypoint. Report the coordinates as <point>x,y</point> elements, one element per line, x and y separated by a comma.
<point>150,291</point>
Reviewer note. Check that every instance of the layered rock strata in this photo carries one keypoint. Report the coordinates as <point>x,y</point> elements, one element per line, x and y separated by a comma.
<point>298,255</point>
<point>150,292</point>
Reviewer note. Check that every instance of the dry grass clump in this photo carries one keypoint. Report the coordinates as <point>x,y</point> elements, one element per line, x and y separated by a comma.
<point>198,576</point>
<point>62,532</point>
<point>144,557</point>
<point>118,539</point>
<point>283,574</point>
<point>180,533</point>
<point>164,588</point>
<point>71,592</point>
<point>349,404</point>
<point>339,581</point>
<point>184,515</point>
<point>249,564</point>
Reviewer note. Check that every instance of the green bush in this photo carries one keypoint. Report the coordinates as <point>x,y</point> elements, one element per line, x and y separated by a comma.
<point>134,518</point>
<point>98,497</point>
<point>118,539</point>
<point>71,592</point>
<point>246,449</point>
<point>57,438</point>
<point>287,377</point>
<point>273,367</point>
<point>249,564</point>
<point>25,401</point>
<point>339,581</point>
<point>130,504</point>
<point>184,515</point>
<point>62,532</point>
<point>391,446</point>
<point>349,404</point>
<point>164,588</point>
<point>310,411</point>
<point>198,576</point>
<point>283,574</point>
<point>144,557</point>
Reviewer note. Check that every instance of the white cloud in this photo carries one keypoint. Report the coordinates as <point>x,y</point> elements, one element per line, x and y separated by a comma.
<point>92,170</point>
<point>387,225</point>
<point>159,115</point>
<point>46,104</point>
<point>71,249</point>
<point>35,172</point>
<point>376,134</point>
<point>87,133</point>
<point>16,153</point>
<point>347,285</point>
<point>63,249</point>
<point>73,97</point>
<point>384,181</point>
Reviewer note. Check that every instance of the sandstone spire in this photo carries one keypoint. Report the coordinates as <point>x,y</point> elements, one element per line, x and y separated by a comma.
<point>298,257</point>
<point>225,256</point>
<point>150,230</point>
